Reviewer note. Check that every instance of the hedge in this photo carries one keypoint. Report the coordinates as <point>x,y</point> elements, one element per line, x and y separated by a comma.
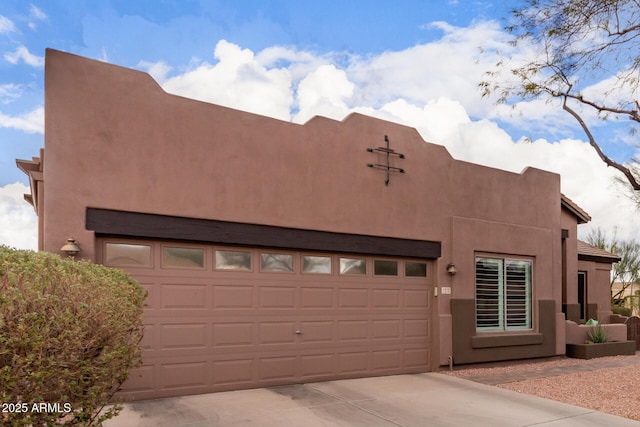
<point>69,335</point>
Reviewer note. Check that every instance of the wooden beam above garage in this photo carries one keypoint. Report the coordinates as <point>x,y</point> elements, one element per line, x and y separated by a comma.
<point>134,224</point>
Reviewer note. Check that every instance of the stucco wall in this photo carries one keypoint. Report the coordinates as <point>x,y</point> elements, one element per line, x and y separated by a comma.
<point>598,289</point>
<point>115,140</point>
<point>569,274</point>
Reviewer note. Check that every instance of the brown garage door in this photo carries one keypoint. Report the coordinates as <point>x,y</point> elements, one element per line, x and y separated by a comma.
<point>224,318</point>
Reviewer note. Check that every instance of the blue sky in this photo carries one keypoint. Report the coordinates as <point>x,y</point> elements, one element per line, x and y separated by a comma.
<point>414,62</point>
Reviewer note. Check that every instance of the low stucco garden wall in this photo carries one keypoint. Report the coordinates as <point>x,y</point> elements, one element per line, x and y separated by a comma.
<point>578,334</point>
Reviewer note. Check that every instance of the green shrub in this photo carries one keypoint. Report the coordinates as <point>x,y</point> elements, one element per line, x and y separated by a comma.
<point>623,311</point>
<point>69,334</point>
<point>597,334</point>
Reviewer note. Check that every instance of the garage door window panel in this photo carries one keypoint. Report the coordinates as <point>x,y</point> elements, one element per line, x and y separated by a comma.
<point>385,267</point>
<point>183,257</point>
<point>121,254</point>
<point>415,269</point>
<point>276,262</point>
<point>354,266</point>
<point>233,260</point>
<point>316,264</point>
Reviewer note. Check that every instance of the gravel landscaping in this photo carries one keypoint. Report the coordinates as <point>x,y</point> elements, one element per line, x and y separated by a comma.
<point>607,384</point>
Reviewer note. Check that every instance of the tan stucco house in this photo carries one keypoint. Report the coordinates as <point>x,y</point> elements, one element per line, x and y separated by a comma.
<point>279,253</point>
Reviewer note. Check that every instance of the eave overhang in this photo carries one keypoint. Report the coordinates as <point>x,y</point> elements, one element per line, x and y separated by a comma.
<point>576,210</point>
<point>33,169</point>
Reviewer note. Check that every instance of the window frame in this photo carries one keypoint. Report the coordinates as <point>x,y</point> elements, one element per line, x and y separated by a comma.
<point>504,305</point>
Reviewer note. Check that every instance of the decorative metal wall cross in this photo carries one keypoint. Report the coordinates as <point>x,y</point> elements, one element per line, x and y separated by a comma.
<point>388,152</point>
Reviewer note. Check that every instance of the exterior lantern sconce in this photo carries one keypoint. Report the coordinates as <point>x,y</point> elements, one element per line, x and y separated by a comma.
<point>70,247</point>
<point>451,269</point>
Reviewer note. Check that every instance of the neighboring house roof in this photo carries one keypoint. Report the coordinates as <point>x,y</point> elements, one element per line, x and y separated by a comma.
<point>572,207</point>
<point>33,168</point>
<point>586,252</point>
<point>620,285</point>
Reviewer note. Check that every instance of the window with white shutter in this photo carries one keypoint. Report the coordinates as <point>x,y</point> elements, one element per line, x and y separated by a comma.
<point>503,294</point>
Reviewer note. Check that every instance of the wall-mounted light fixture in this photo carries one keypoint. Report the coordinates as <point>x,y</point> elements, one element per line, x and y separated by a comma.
<point>70,247</point>
<point>451,269</point>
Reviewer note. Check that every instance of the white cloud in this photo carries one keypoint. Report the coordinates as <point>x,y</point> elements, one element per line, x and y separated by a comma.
<point>6,25</point>
<point>237,80</point>
<point>528,115</point>
<point>37,13</point>
<point>323,92</point>
<point>437,120</point>
<point>158,70</point>
<point>299,63</point>
<point>22,54</point>
<point>18,221</point>
<point>10,92</point>
<point>418,75</point>
<point>450,67</point>
<point>104,56</point>
<point>31,122</point>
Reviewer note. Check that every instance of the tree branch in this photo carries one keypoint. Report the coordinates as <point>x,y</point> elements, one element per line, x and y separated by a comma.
<point>633,114</point>
<point>609,162</point>
<point>624,30</point>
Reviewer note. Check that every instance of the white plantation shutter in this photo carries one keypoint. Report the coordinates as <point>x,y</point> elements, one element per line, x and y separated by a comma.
<point>489,289</point>
<point>503,294</point>
<point>518,294</point>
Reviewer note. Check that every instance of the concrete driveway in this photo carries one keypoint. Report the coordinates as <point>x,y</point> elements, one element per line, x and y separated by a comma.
<point>429,399</point>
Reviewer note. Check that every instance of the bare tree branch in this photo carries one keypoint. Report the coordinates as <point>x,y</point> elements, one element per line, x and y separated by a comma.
<point>632,114</point>
<point>571,45</point>
<point>627,173</point>
<point>624,31</point>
